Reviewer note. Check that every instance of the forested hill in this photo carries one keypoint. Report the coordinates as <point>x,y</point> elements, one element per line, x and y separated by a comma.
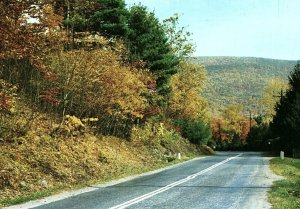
<point>240,79</point>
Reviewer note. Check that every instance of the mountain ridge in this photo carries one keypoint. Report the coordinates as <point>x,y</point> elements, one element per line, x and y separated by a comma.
<point>240,79</point>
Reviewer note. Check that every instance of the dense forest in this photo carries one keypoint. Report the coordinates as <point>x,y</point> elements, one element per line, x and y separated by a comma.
<point>240,79</point>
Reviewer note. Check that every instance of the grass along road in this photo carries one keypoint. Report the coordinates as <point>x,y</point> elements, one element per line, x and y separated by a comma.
<point>285,194</point>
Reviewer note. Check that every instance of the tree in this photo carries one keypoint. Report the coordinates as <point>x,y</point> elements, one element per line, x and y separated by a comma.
<point>232,115</point>
<point>77,16</point>
<point>218,132</point>
<point>178,37</point>
<point>286,122</point>
<point>258,137</point>
<point>233,121</point>
<point>28,34</point>
<point>19,37</point>
<point>147,41</point>
<point>271,96</point>
<point>111,19</point>
<point>186,87</point>
<point>197,131</point>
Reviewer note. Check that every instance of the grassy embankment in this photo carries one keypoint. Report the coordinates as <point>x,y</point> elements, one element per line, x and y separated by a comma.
<point>37,163</point>
<point>285,194</point>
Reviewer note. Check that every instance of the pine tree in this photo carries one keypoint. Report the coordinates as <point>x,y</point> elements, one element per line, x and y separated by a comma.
<point>147,41</point>
<point>111,19</point>
<point>286,123</point>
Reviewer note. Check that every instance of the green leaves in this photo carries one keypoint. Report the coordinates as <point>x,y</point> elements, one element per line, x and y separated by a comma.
<point>197,131</point>
<point>147,41</point>
<point>111,19</point>
<point>178,38</point>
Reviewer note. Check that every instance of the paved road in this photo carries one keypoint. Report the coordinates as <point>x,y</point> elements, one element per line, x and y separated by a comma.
<point>227,180</point>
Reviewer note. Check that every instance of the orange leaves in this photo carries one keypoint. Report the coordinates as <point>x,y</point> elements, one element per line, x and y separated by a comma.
<point>50,95</point>
<point>245,128</point>
<point>49,19</point>
<point>217,128</point>
<point>5,102</point>
<point>233,124</point>
<point>25,27</point>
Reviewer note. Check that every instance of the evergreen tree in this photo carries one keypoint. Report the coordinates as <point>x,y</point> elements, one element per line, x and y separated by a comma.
<point>108,17</point>
<point>147,41</point>
<point>77,13</point>
<point>197,131</point>
<point>286,123</point>
<point>111,19</point>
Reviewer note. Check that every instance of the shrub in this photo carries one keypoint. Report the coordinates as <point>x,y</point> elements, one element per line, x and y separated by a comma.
<point>153,134</point>
<point>196,131</point>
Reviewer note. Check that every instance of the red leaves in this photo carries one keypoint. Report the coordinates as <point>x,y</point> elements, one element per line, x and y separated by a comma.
<point>50,76</point>
<point>5,102</point>
<point>151,85</point>
<point>217,127</point>
<point>20,38</point>
<point>152,111</point>
<point>50,96</point>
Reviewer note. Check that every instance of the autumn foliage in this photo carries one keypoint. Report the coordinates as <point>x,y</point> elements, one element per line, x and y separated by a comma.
<point>69,87</point>
<point>231,131</point>
<point>186,87</point>
<point>55,53</point>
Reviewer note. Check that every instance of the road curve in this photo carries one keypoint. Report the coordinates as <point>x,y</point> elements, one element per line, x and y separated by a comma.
<point>227,180</point>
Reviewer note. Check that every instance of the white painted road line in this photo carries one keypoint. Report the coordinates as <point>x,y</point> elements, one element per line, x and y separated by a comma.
<point>68,194</point>
<point>169,186</point>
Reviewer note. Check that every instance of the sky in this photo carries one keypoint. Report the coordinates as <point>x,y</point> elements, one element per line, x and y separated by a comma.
<point>251,28</point>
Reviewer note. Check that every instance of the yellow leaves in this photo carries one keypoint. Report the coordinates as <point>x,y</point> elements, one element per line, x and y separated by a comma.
<point>271,96</point>
<point>187,84</point>
<point>73,122</point>
<point>152,134</point>
<point>90,120</point>
<point>70,125</point>
<point>97,81</point>
<point>233,114</point>
<point>13,110</point>
<point>49,19</point>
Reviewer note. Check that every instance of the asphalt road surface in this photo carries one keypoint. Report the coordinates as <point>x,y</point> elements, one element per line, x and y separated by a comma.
<point>227,180</point>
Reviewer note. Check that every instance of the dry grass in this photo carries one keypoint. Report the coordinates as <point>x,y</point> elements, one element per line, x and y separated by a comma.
<point>38,164</point>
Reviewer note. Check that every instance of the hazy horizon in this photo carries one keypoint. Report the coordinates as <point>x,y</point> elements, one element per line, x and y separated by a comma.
<point>245,57</point>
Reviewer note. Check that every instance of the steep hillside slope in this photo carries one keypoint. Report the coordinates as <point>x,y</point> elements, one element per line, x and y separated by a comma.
<point>37,161</point>
<point>240,79</point>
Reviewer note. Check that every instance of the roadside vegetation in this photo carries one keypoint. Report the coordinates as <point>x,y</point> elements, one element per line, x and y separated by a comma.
<point>286,193</point>
<point>91,92</point>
